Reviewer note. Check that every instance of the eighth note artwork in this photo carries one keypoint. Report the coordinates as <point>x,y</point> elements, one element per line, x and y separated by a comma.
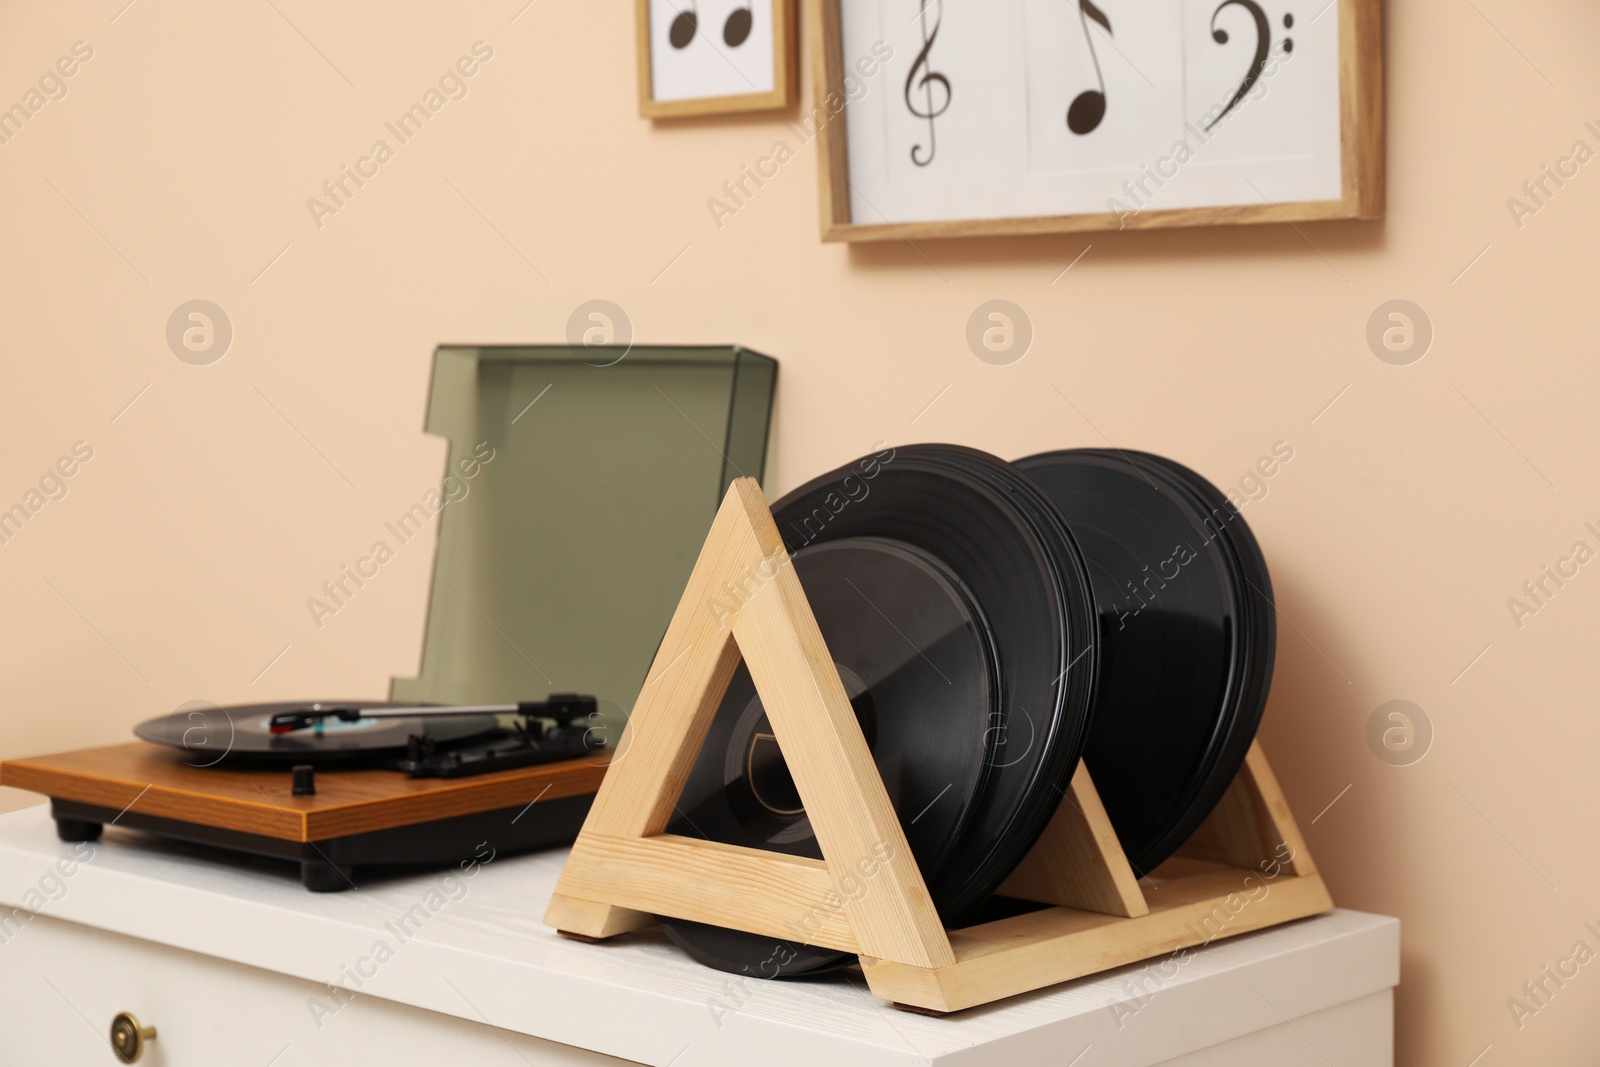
<point>704,57</point>
<point>1037,116</point>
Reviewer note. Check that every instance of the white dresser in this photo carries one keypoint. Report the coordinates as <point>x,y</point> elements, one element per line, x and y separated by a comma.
<point>229,960</point>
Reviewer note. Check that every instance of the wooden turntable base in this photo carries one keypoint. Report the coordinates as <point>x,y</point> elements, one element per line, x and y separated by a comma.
<point>357,816</point>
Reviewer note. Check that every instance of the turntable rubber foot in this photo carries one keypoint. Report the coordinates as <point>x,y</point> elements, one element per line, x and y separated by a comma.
<point>319,876</point>
<point>78,830</point>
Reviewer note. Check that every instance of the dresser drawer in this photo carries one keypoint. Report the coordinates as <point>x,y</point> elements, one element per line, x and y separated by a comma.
<point>61,984</point>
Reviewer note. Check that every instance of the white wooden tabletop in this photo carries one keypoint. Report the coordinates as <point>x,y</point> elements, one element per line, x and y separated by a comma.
<point>476,948</point>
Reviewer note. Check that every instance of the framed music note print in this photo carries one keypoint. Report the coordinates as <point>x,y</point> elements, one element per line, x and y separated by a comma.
<point>990,117</point>
<point>708,57</point>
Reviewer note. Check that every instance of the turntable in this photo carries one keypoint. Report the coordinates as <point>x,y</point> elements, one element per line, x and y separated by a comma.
<point>541,582</point>
<point>337,786</point>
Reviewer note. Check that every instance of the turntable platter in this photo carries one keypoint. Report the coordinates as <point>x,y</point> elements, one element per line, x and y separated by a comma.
<point>240,733</point>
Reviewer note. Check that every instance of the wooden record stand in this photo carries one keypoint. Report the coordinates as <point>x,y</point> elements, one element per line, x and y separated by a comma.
<point>1247,867</point>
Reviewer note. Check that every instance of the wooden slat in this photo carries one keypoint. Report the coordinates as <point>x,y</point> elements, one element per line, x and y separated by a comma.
<point>1236,214</point>
<point>1027,952</point>
<point>787,897</point>
<point>827,70</point>
<point>158,781</point>
<point>1361,122</point>
<point>670,717</point>
<point>833,770</point>
<point>1252,825</point>
<point>1078,862</point>
<point>568,914</point>
<point>744,599</point>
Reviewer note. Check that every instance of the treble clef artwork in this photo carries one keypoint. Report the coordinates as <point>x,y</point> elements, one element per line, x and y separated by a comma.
<point>1060,116</point>
<point>1089,106</point>
<point>933,86</point>
<point>1263,45</point>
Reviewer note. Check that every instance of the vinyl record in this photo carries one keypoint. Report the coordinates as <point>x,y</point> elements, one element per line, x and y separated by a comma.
<point>1187,634</point>
<point>976,718</point>
<point>212,734</point>
<point>1257,629</point>
<point>1039,743</point>
<point>916,662</point>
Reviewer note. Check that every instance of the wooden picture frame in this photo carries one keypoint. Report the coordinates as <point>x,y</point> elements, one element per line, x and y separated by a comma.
<point>1360,139</point>
<point>785,63</point>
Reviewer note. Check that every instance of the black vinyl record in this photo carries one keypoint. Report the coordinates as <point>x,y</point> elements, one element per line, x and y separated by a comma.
<point>916,661</point>
<point>1257,647</point>
<point>968,666</point>
<point>1039,743</point>
<point>212,734</point>
<point>1187,637</point>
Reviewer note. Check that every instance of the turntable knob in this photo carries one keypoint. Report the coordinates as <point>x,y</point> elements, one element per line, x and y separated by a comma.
<point>305,780</point>
<point>128,1038</point>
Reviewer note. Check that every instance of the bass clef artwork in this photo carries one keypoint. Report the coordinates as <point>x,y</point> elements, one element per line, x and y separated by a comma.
<point>1089,106</point>
<point>1258,62</point>
<point>932,86</point>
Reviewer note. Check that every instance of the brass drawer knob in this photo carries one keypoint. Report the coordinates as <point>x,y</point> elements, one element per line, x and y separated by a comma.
<point>128,1038</point>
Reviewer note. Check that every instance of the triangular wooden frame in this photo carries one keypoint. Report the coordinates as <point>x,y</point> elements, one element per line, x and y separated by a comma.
<point>1248,865</point>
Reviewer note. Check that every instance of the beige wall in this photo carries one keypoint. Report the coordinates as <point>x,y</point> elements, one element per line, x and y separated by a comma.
<point>177,568</point>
